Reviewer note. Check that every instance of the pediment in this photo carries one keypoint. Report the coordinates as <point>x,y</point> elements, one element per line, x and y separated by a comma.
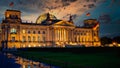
<point>63,23</point>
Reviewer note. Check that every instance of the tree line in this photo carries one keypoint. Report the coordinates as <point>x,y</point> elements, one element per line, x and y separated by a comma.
<point>108,40</point>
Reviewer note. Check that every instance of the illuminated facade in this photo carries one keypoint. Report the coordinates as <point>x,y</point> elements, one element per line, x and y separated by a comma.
<point>47,31</point>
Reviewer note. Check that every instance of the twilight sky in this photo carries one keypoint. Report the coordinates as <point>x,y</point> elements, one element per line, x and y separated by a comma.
<point>106,11</point>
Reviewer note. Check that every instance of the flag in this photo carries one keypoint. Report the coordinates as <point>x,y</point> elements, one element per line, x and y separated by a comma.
<point>96,26</point>
<point>11,4</point>
<point>88,14</point>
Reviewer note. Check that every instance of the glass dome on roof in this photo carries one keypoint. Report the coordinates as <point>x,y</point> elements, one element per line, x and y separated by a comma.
<point>43,17</point>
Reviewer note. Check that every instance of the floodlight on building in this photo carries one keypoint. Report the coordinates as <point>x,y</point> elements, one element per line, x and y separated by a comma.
<point>29,45</point>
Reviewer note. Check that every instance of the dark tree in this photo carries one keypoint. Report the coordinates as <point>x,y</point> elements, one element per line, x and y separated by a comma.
<point>116,39</point>
<point>106,40</point>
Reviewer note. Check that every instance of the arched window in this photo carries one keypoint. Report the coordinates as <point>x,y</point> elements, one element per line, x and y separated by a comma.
<point>33,32</point>
<point>38,32</point>
<point>28,32</point>
<point>23,31</point>
<point>29,39</point>
<point>13,30</point>
<point>43,32</point>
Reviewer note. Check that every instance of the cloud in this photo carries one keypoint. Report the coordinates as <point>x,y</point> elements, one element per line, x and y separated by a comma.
<point>60,8</point>
<point>29,18</point>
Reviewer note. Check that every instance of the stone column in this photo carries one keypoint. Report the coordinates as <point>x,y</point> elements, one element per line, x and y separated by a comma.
<point>72,38</point>
<point>60,34</point>
<point>69,35</point>
<point>65,35</point>
<point>55,35</point>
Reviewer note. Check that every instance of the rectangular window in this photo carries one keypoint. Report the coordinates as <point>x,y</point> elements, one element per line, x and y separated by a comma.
<point>23,31</point>
<point>13,39</point>
<point>13,31</point>
<point>43,32</point>
<point>95,34</point>
<point>38,38</point>
<point>34,38</point>
<point>23,39</point>
<point>44,39</point>
<point>29,39</point>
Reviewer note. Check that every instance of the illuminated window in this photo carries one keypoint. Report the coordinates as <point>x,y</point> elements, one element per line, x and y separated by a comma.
<point>34,38</point>
<point>79,39</point>
<point>34,45</point>
<point>23,39</point>
<point>28,32</point>
<point>33,32</point>
<point>23,31</point>
<point>43,32</point>
<point>43,39</point>
<point>84,33</point>
<point>95,33</point>
<point>13,39</point>
<point>95,39</point>
<point>75,33</point>
<point>29,45</point>
<point>13,16</point>
<point>82,39</point>
<point>23,45</point>
<point>38,38</point>
<point>38,32</point>
<point>75,39</point>
<point>13,30</point>
<point>13,46</point>
<point>81,33</point>
<point>29,38</point>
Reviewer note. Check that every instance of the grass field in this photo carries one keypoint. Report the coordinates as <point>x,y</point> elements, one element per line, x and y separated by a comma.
<point>70,60</point>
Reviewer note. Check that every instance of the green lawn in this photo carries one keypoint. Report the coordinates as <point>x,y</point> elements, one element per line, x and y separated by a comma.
<point>70,60</point>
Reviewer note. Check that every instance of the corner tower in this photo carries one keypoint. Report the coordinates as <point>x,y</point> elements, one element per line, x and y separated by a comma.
<point>13,15</point>
<point>11,28</point>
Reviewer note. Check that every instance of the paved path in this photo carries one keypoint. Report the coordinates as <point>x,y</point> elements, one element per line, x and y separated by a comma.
<point>7,62</point>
